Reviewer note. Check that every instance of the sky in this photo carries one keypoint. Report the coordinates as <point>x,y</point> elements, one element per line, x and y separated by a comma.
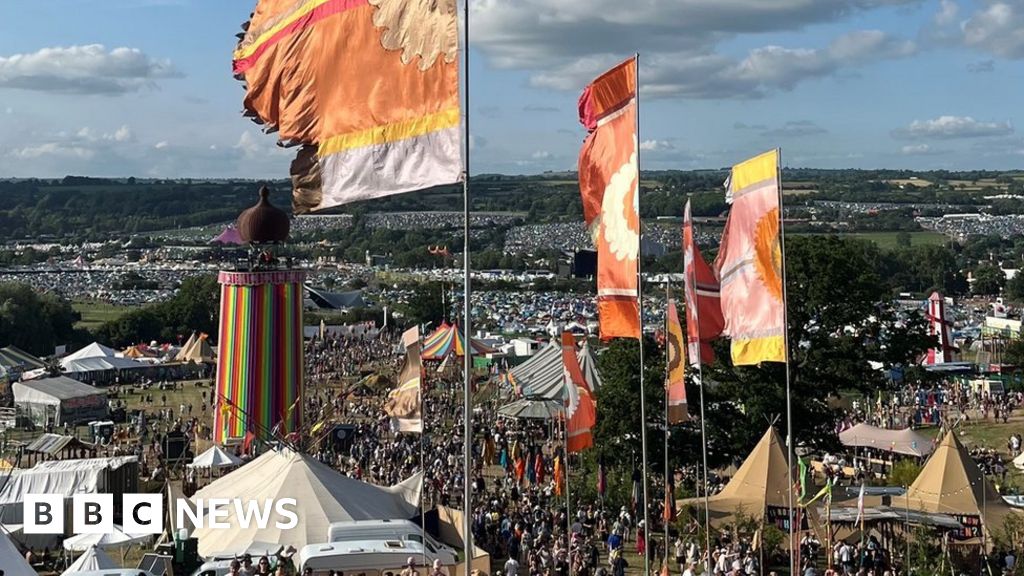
<point>144,87</point>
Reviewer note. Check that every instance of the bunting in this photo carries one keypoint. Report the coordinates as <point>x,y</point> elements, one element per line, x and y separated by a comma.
<point>609,186</point>
<point>675,382</point>
<point>581,411</point>
<point>368,88</point>
<point>749,263</point>
<point>703,299</point>
<point>403,404</point>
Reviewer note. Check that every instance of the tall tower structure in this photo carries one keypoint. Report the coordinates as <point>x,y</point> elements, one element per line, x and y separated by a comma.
<point>259,362</point>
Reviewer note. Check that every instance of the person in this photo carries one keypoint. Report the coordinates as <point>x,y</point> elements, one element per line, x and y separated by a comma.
<point>247,568</point>
<point>437,569</point>
<point>641,538</point>
<point>691,570</point>
<point>511,567</point>
<point>410,567</point>
<point>680,552</point>
<point>263,566</point>
<point>235,568</point>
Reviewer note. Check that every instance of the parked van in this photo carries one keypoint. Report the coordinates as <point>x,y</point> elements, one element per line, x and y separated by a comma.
<point>401,530</point>
<point>362,557</point>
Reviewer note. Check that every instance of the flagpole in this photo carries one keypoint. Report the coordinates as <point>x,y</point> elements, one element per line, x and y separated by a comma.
<point>467,401</point>
<point>785,329</point>
<point>640,312</point>
<point>568,501</point>
<point>423,463</point>
<point>700,378</point>
<point>667,513</point>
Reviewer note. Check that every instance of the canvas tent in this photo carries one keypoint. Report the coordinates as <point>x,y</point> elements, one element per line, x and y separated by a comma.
<point>91,559</point>
<point>543,375</point>
<point>951,483</point>
<point>97,362</point>
<point>760,487</point>
<point>448,339</point>
<point>907,442</point>
<point>59,400</point>
<point>532,409</point>
<point>197,349</point>
<point>16,361</point>
<point>216,457</point>
<point>11,560</point>
<point>322,496</point>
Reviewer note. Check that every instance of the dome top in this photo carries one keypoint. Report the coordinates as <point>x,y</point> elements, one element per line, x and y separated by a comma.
<point>263,222</point>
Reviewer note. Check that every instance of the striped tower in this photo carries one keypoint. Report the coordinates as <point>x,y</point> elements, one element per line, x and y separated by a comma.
<point>259,361</point>
<point>938,328</point>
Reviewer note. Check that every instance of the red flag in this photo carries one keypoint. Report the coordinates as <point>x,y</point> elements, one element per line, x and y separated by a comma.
<point>602,480</point>
<point>609,185</point>
<point>581,411</point>
<point>704,320</point>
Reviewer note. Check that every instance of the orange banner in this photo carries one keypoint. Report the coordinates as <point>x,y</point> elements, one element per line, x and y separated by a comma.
<point>609,185</point>
<point>581,411</point>
<point>675,382</point>
<point>369,88</point>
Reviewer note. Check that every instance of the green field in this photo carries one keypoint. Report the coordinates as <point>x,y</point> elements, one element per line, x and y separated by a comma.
<point>888,240</point>
<point>96,313</point>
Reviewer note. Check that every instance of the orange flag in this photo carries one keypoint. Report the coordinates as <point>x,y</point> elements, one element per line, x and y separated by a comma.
<point>609,184</point>
<point>749,263</point>
<point>703,299</point>
<point>368,88</point>
<point>675,382</point>
<point>581,411</point>
<point>559,480</point>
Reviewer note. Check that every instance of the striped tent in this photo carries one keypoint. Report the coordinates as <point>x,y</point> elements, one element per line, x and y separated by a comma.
<point>14,359</point>
<point>447,340</point>
<point>543,375</point>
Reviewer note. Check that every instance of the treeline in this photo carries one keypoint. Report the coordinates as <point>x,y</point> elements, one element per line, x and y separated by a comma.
<point>194,308</point>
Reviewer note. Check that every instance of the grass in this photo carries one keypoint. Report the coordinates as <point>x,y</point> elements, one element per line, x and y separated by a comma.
<point>95,313</point>
<point>890,240</point>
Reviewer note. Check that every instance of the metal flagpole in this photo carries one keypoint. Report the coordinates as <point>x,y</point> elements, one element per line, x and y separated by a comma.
<point>785,328</point>
<point>640,310</point>
<point>703,427</point>
<point>665,514</point>
<point>423,466</point>
<point>568,500</point>
<point>467,401</point>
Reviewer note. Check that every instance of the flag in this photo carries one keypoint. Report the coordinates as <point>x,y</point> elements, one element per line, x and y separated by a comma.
<point>669,513</point>
<point>559,480</point>
<point>703,299</point>
<point>581,412</point>
<point>749,264</point>
<point>368,88</point>
<point>803,478</point>
<point>602,479</point>
<point>637,492</point>
<point>403,404</point>
<point>609,186</point>
<point>675,383</point>
<point>860,507</point>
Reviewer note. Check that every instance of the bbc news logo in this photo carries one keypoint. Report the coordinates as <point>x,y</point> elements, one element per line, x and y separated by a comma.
<point>144,513</point>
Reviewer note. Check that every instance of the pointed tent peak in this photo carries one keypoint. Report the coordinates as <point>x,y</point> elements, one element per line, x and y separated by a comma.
<point>763,478</point>
<point>952,483</point>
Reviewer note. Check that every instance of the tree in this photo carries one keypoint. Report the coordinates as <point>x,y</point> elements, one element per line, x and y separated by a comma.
<point>988,280</point>
<point>1015,287</point>
<point>426,305</point>
<point>35,322</point>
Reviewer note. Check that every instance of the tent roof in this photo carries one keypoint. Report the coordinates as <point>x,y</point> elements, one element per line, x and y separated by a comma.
<point>322,496</point>
<point>13,357</point>
<point>94,350</point>
<point>448,339</point>
<point>195,350</point>
<point>588,364</point>
<point>13,562</point>
<point>53,443</point>
<point>99,364</point>
<point>230,235</point>
<point>905,441</point>
<point>336,300</point>
<point>532,408</point>
<point>543,376</point>
<point>952,483</point>
<point>91,559</point>
<point>761,481</point>
<point>52,390</point>
<point>215,457</point>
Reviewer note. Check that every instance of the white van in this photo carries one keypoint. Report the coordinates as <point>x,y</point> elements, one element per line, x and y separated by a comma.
<point>401,530</point>
<point>362,557</point>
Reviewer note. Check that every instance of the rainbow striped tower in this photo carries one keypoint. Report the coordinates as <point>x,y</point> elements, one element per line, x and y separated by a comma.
<point>259,361</point>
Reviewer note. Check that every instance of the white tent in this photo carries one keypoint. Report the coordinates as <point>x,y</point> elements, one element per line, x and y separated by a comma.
<point>115,539</point>
<point>91,559</point>
<point>215,457</point>
<point>322,496</point>
<point>1018,462</point>
<point>94,350</point>
<point>59,400</point>
<point>905,441</point>
<point>13,562</point>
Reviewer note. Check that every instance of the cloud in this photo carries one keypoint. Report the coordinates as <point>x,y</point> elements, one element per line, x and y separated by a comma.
<point>981,67</point>
<point>745,126</point>
<point>161,145</point>
<point>996,28</point>
<point>921,150</point>
<point>477,142</point>
<point>795,128</point>
<point>563,45</point>
<point>948,11</point>
<point>90,69</point>
<point>541,155</point>
<point>952,127</point>
<point>9,110</point>
<point>657,145</point>
<point>543,109</point>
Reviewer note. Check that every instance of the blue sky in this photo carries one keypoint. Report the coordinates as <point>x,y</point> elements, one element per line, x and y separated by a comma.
<point>144,88</point>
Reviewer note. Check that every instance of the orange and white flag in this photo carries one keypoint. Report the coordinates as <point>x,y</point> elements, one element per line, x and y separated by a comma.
<point>703,299</point>
<point>609,184</point>
<point>581,410</point>
<point>404,402</point>
<point>675,381</point>
<point>749,264</point>
<point>368,88</point>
